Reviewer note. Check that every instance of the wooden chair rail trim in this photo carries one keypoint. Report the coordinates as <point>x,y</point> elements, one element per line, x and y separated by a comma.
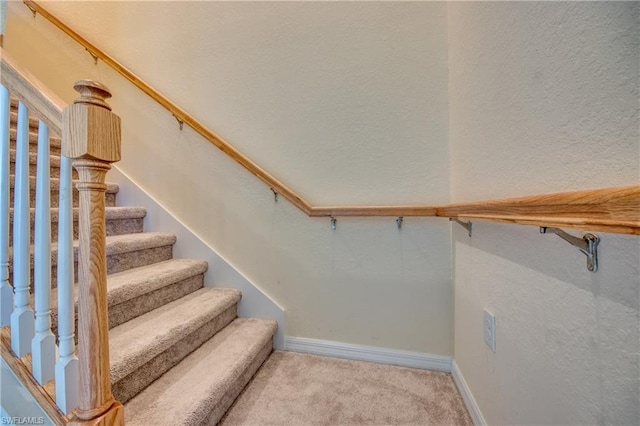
<point>21,367</point>
<point>41,101</point>
<point>609,210</point>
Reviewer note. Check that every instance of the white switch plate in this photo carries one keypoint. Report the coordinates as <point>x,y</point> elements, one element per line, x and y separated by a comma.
<point>489,326</point>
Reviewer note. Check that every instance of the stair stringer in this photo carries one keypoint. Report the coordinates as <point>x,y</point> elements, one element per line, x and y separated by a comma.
<point>254,303</point>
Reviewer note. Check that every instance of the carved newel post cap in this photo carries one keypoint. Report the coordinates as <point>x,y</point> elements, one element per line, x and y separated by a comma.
<point>90,130</point>
<point>92,93</point>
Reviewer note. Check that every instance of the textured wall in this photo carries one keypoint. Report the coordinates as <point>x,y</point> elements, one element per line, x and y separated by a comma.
<point>344,102</point>
<point>544,98</point>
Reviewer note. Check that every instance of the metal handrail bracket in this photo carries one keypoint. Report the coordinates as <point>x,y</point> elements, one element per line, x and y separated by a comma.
<point>588,244</point>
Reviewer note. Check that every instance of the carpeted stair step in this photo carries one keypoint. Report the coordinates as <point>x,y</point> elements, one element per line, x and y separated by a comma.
<point>143,349</point>
<point>119,221</point>
<point>34,121</point>
<point>54,184</point>
<point>123,252</point>
<point>54,142</point>
<point>54,165</point>
<point>204,385</point>
<point>13,120</point>
<point>136,291</point>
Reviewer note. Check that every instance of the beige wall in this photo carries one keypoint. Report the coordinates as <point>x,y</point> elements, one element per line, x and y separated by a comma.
<point>544,98</point>
<point>344,102</point>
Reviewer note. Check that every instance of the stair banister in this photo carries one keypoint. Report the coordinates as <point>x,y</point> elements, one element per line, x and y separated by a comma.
<point>66,369</point>
<point>22,317</point>
<point>43,344</point>
<point>6,293</point>
<point>91,136</point>
<point>612,214</point>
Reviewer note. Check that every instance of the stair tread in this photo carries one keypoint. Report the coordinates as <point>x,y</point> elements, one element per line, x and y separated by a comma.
<point>132,242</point>
<point>54,183</point>
<point>54,141</point>
<point>33,120</point>
<point>117,244</point>
<point>126,285</point>
<point>139,340</point>
<point>33,158</point>
<point>111,213</point>
<point>186,394</point>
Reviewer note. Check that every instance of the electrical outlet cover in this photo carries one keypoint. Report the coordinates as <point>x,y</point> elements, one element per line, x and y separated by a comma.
<point>489,330</point>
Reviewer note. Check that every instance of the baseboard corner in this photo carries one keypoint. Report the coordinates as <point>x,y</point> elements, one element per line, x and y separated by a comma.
<point>467,396</point>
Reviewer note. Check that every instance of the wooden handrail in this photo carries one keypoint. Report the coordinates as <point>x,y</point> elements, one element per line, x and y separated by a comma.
<point>223,145</point>
<point>373,211</point>
<point>178,112</point>
<point>609,210</point>
<point>41,101</point>
<point>614,210</point>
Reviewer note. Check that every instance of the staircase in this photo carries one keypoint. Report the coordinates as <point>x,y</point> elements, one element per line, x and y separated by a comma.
<point>179,355</point>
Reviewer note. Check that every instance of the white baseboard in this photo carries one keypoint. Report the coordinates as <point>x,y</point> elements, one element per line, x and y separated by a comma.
<point>368,353</point>
<point>221,273</point>
<point>467,396</point>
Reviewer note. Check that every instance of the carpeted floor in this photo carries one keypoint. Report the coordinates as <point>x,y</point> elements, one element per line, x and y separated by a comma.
<point>299,389</point>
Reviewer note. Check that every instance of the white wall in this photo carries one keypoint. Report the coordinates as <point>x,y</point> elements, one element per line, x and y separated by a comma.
<point>544,98</point>
<point>344,102</point>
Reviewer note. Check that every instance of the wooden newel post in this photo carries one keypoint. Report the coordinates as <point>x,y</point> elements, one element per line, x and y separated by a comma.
<point>91,136</point>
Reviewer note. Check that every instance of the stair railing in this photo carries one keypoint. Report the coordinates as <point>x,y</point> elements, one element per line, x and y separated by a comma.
<point>607,209</point>
<point>77,381</point>
<point>91,136</point>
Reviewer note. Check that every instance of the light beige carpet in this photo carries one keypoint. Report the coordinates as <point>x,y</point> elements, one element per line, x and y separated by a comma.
<point>299,389</point>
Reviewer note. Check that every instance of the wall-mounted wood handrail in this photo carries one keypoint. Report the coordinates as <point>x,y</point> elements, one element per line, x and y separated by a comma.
<point>609,210</point>
<point>174,109</point>
<point>41,101</point>
<point>614,210</point>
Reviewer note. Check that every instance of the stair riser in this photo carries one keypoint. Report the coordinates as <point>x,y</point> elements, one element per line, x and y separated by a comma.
<point>228,399</point>
<point>115,262</point>
<point>123,312</point>
<point>54,145</point>
<point>110,198</point>
<point>134,383</point>
<point>114,227</point>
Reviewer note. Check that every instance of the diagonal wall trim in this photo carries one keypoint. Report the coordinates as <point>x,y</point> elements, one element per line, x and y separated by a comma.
<point>254,303</point>
<point>368,353</point>
<point>467,396</point>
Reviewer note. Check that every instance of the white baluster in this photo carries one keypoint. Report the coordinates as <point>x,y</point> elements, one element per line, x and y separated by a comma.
<point>43,346</point>
<point>22,323</point>
<point>6,292</point>
<point>66,374</point>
